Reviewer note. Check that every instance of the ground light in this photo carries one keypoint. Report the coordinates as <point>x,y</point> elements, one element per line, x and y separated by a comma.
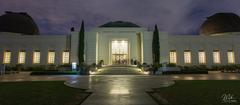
<point>92,72</point>
<point>146,72</point>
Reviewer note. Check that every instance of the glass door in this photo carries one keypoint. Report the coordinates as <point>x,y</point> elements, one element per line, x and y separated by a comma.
<point>119,52</point>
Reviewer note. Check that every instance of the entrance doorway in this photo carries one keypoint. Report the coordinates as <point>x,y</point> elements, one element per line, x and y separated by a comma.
<point>119,52</point>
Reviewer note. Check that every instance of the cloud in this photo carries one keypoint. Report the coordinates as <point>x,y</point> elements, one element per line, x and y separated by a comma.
<point>173,16</point>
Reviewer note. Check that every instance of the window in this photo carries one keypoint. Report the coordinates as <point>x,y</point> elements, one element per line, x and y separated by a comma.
<point>231,57</point>
<point>216,56</point>
<point>187,56</point>
<point>21,57</point>
<point>7,57</point>
<point>51,57</point>
<point>65,57</point>
<point>173,56</point>
<point>36,57</point>
<point>202,57</point>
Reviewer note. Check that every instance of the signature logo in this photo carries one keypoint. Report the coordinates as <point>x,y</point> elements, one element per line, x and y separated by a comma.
<point>228,98</point>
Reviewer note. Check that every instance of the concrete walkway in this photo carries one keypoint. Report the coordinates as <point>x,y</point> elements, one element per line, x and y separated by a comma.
<point>131,90</point>
<point>119,89</point>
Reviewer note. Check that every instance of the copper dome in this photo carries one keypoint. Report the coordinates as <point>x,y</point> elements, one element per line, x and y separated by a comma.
<point>220,23</point>
<point>119,24</point>
<point>18,23</point>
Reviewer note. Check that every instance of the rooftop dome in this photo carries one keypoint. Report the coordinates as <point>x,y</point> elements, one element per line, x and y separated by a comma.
<point>119,24</point>
<point>18,23</point>
<point>220,23</point>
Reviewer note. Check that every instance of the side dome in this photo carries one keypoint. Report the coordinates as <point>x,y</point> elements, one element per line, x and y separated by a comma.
<point>220,23</point>
<point>119,24</point>
<point>18,23</point>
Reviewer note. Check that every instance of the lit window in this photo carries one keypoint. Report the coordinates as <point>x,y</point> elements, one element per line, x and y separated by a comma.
<point>21,57</point>
<point>231,57</point>
<point>187,56</point>
<point>202,57</point>
<point>7,57</point>
<point>173,56</point>
<point>216,57</point>
<point>36,57</point>
<point>51,57</point>
<point>65,57</point>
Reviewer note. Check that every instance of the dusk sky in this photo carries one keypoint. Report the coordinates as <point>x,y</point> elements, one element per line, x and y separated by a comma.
<point>173,16</point>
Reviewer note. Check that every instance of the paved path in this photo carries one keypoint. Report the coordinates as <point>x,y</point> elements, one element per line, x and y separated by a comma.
<point>131,90</point>
<point>120,89</point>
<point>27,77</point>
<point>115,70</point>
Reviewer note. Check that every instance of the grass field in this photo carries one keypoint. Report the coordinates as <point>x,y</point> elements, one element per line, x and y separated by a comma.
<point>40,93</point>
<point>209,92</point>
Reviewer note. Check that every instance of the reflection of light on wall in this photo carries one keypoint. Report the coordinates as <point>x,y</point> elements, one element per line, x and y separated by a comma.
<point>188,78</point>
<point>233,77</point>
<point>219,77</point>
<point>175,77</point>
<point>119,91</point>
<point>204,78</point>
<point>19,79</point>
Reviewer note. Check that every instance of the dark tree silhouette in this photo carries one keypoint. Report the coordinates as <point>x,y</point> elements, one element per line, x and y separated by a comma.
<point>81,45</point>
<point>155,46</point>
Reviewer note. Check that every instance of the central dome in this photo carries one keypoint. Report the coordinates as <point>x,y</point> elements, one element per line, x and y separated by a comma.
<point>119,24</point>
<point>18,23</point>
<point>220,23</point>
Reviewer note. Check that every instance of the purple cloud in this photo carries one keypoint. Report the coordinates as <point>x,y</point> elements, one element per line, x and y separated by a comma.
<point>173,16</point>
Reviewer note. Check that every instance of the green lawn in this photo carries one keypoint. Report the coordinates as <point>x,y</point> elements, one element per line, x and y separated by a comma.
<point>40,93</point>
<point>209,92</point>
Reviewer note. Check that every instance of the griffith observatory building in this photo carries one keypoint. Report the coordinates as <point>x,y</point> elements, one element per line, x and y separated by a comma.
<point>119,42</point>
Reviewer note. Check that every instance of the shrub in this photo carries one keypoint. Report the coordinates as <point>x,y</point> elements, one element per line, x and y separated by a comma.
<point>202,67</point>
<point>94,65</point>
<point>216,68</point>
<point>195,69</point>
<point>36,68</point>
<point>19,67</point>
<point>9,68</point>
<point>51,67</point>
<point>65,65</point>
<point>171,65</point>
<point>157,65</point>
<point>226,68</point>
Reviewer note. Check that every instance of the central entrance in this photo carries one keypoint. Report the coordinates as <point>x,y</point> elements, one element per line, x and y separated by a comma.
<point>119,52</point>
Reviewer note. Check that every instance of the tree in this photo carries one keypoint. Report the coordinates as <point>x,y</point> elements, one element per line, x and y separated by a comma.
<point>81,45</point>
<point>155,46</point>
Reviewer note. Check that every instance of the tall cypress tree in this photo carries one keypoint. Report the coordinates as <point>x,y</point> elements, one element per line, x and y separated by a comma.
<point>81,45</point>
<point>155,46</point>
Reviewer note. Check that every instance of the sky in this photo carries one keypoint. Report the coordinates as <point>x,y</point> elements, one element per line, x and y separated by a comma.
<point>177,17</point>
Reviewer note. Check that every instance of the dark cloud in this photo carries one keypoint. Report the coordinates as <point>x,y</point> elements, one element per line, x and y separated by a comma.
<point>173,16</point>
